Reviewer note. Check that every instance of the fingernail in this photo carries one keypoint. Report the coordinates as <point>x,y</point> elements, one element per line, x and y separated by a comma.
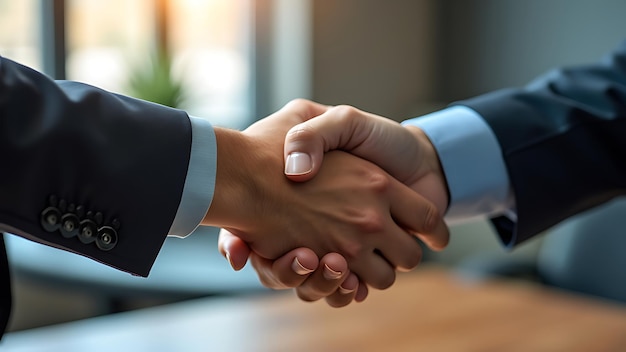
<point>403,269</point>
<point>299,268</point>
<point>345,291</point>
<point>331,274</point>
<point>298,164</point>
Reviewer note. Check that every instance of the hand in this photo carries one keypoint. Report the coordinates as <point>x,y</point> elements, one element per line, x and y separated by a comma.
<point>293,269</point>
<point>406,153</point>
<point>352,207</point>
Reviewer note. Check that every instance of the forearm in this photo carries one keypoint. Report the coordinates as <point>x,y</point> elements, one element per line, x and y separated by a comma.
<point>120,157</point>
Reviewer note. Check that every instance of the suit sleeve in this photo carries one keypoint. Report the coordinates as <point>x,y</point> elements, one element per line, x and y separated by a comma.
<point>563,140</point>
<point>89,171</point>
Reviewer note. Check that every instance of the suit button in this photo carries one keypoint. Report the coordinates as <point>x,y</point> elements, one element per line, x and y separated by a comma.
<point>69,225</point>
<point>87,231</point>
<point>51,219</point>
<point>107,238</point>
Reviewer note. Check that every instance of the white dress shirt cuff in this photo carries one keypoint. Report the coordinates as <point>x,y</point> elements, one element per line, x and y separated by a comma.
<point>472,162</point>
<point>200,181</point>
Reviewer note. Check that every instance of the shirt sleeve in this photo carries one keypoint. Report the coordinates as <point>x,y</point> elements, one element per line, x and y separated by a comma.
<point>472,162</point>
<point>200,182</point>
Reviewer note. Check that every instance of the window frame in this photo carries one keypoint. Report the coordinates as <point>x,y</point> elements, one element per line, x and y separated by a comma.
<point>271,83</point>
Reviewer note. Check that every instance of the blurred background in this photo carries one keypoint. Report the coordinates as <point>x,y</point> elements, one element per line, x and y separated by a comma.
<point>234,61</point>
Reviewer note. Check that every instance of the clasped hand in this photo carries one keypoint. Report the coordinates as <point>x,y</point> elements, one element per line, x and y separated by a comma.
<point>358,211</point>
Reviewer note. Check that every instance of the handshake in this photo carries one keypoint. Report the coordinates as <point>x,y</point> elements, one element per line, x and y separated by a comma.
<point>329,200</point>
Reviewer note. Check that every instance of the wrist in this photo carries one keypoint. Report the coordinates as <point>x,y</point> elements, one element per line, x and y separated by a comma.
<point>432,170</point>
<point>233,181</point>
<point>249,170</point>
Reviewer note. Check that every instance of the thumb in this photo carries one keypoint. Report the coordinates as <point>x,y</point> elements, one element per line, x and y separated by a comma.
<point>304,151</point>
<point>306,143</point>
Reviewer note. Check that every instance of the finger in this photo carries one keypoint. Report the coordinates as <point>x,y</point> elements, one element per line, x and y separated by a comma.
<point>437,239</point>
<point>346,292</point>
<point>361,293</point>
<point>349,286</point>
<point>399,248</point>
<point>306,143</point>
<point>288,271</point>
<point>302,110</point>
<point>332,272</point>
<point>392,241</point>
<point>374,270</point>
<point>366,135</point>
<point>418,215</point>
<point>234,249</point>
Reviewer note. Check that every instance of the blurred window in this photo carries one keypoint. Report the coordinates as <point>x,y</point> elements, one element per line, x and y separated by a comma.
<point>106,40</point>
<point>115,45</point>
<point>19,32</point>
<point>207,64</point>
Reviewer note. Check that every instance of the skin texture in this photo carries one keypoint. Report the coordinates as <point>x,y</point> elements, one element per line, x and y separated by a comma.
<point>352,207</point>
<point>404,152</point>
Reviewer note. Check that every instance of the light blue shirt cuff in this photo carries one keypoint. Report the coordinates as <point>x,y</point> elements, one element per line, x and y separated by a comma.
<point>472,162</point>
<point>200,181</point>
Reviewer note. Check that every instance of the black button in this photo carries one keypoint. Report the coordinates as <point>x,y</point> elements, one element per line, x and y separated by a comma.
<point>51,219</point>
<point>107,238</point>
<point>69,225</point>
<point>87,231</point>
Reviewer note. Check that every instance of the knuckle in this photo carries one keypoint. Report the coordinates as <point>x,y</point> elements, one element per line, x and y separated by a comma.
<point>352,249</point>
<point>371,221</point>
<point>345,112</point>
<point>298,103</point>
<point>301,131</point>
<point>298,106</point>
<point>379,182</point>
<point>431,218</point>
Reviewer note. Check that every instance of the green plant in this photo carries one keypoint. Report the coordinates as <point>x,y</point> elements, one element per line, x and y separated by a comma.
<point>154,82</point>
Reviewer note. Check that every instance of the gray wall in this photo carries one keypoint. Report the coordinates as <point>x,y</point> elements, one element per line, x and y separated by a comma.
<point>489,44</point>
<point>399,57</point>
<point>377,55</point>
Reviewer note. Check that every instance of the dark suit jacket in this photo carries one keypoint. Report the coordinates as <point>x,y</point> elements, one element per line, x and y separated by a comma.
<point>563,140</point>
<point>87,171</point>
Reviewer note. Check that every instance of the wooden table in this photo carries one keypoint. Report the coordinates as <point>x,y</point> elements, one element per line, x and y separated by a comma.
<point>428,310</point>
